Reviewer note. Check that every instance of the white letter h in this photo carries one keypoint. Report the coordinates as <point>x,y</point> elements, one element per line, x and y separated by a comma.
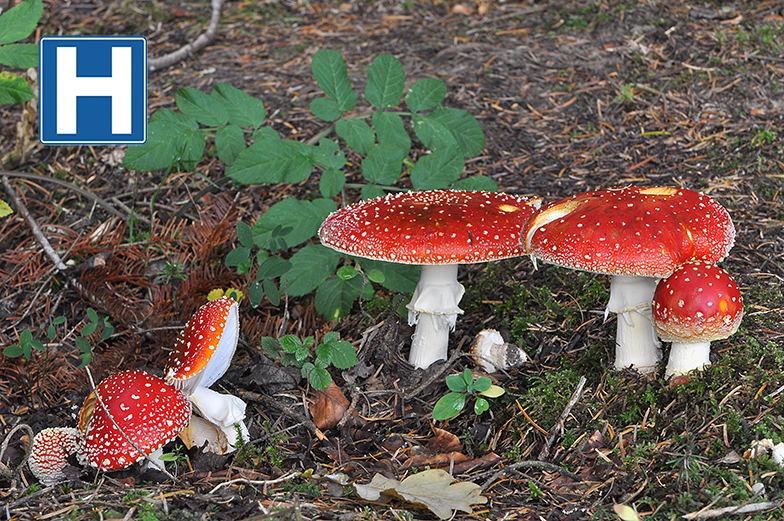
<point>118,86</point>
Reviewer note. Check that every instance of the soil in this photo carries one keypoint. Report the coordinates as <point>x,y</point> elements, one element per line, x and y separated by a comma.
<point>572,96</point>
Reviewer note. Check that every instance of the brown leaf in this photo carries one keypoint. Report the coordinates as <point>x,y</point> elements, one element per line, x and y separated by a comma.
<point>443,441</point>
<point>330,406</point>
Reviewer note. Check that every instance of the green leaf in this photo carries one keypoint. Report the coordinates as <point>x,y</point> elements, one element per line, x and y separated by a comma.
<point>19,22</point>
<point>51,332</point>
<point>463,127</point>
<point>344,356</point>
<point>318,377</point>
<point>290,343</point>
<point>383,164</point>
<point>336,296</point>
<point>467,377</point>
<point>237,256</point>
<point>323,355</point>
<point>456,383</point>
<point>272,161</point>
<point>325,109</point>
<point>14,88</point>
<point>13,351</point>
<point>386,82</point>
<point>476,183</point>
<point>357,134</point>
<point>255,294</point>
<point>167,136</point>
<point>480,406</point>
<point>37,345</point>
<point>20,55</point>
<point>426,94</point>
<point>25,338</point>
<point>270,345</point>
<point>328,154</point>
<point>201,107</point>
<point>83,344</point>
<point>244,234</point>
<point>89,329</point>
<point>449,406</point>
<point>84,360</point>
<point>401,278</point>
<point>58,320</point>
<point>305,218</point>
<point>265,133</point>
<point>347,272</point>
<point>371,192</point>
<point>331,182</point>
<point>390,130</point>
<point>272,267</point>
<point>482,384</point>
<point>273,295</point>
<point>243,109</point>
<point>438,170</point>
<point>92,315</point>
<point>331,74</point>
<point>310,267</point>
<point>191,149</point>
<point>108,330</point>
<point>229,142</point>
<point>432,133</point>
<point>376,276</point>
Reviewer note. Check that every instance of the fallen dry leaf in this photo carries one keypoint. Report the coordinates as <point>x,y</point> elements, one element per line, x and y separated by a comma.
<point>329,407</point>
<point>436,489</point>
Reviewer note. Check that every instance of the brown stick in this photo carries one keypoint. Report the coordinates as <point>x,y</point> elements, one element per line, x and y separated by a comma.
<point>559,425</point>
<point>200,43</point>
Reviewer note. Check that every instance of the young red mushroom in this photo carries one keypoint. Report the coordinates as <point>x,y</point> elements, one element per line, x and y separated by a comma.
<point>697,304</point>
<point>201,355</point>
<point>637,235</point>
<point>148,410</point>
<point>49,453</point>
<point>438,230</point>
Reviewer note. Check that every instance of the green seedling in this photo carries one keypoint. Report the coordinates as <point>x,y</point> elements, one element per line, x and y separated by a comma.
<point>463,386</point>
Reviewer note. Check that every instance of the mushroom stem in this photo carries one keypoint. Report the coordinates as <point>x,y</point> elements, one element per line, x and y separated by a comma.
<point>636,343</point>
<point>687,356</point>
<point>225,411</point>
<point>433,309</point>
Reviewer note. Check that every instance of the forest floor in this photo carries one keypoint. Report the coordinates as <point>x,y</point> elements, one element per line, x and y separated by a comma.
<point>572,96</point>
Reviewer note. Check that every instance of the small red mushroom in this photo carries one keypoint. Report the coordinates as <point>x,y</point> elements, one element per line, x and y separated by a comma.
<point>49,453</point>
<point>148,410</point>
<point>437,229</point>
<point>637,235</point>
<point>697,304</point>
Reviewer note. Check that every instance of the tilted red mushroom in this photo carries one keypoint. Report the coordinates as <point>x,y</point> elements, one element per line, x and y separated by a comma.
<point>697,304</point>
<point>148,410</point>
<point>201,355</point>
<point>49,453</point>
<point>438,230</point>
<point>637,235</point>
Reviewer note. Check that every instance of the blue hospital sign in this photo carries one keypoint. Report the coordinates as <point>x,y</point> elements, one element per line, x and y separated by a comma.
<point>93,90</point>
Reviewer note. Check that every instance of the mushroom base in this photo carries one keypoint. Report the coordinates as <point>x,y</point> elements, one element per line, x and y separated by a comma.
<point>686,357</point>
<point>225,411</point>
<point>636,343</point>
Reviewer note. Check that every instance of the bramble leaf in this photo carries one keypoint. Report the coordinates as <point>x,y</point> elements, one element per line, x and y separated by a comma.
<point>386,82</point>
<point>330,71</point>
<point>201,107</point>
<point>441,168</point>
<point>383,164</point>
<point>229,142</point>
<point>357,134</point>
<point>19,22</point>
<point>243,109</point>
<point>325,109</point>
<point>390,130</point>
<point>14,88</point>
<point>304,217</point>
<point>426,94</point>
<point>310,267</point>
<point>19,55</point>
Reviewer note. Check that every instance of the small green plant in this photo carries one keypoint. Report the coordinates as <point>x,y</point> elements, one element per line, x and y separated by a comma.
<point>330,352</point>
<point>625,93</point>
<point>17,24</point>
<point>462,386</point>
<point>763,138</point>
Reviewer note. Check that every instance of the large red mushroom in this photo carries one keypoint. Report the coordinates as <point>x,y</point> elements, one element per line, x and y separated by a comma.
<point>149,411</point>
<point>437,229</point>
<point>697,304</point>
<point>637,235</point>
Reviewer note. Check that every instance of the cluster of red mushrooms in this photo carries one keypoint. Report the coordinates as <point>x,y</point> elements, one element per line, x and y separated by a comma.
<point>660,245</point>
<point>131,415</point>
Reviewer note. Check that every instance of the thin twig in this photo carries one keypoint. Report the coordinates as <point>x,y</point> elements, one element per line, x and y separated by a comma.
<point>15,474</point>
<point>559,425</point>
<point>200,43</point>
<point>530,464</point>
<point>265,482</point>
<point>750,508</point>
<point>271,402</point>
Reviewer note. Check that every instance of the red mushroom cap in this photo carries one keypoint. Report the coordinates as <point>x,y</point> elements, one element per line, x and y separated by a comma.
<point>630,231</point>
<point>49,453</point>
<point>148,410</point>
<point>430,227</point>
<point>204,349</point>
<point>699,302</point>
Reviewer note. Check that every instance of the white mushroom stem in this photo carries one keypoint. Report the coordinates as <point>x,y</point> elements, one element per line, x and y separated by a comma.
<point>225,411</point>
<point>636,343</point>
<point>154,460</point>
<point>685,357</point>
<point>433,309</point>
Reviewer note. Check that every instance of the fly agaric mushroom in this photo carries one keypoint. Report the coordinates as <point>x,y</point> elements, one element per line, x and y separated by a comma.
<point>637,235</point>
<point>201,355</point>
<point>49,453</point>
<point>438,230</point>
<point>697,304</point>
<point>149,411</point>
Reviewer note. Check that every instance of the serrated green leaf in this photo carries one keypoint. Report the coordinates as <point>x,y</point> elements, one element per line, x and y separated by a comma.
<point>390,130</point>
<point>19,55</point>
<point>456,383</point>
<point>344,356</point>
<point>336,296</point>
<point>201,107</point>
<point>13,351</point>
<point>401,278</point>
<point>271,161</point>
<point>229,142</point>
<point>476,183</point>
<point>192,148</point>
<point>237,256</point>
<point>383,164</point>
<point>449,406</point>
<point>463,127</point>
<point>167,136</point>
<point>386,82</point>
<point>480,406</point>
<point>270,345</point>
<point>438,170</point>
<point>243,109</point>
<point>310,267</point>
<point>432,133</point>
<point>323,355</point>
<point>426,94</point>
<point>357,134</point>
<point>331,183</point>
<point>265,133</point>
<point>325,109</point>
<point>14,88</point>
<point>244,234</point>
<point>318,378</point>
<point>19,22</point>
<point>331,74</point>
<point>371,192</point>
<point>290,343</point>
<point>305,218</point>
<point>328,154</point>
